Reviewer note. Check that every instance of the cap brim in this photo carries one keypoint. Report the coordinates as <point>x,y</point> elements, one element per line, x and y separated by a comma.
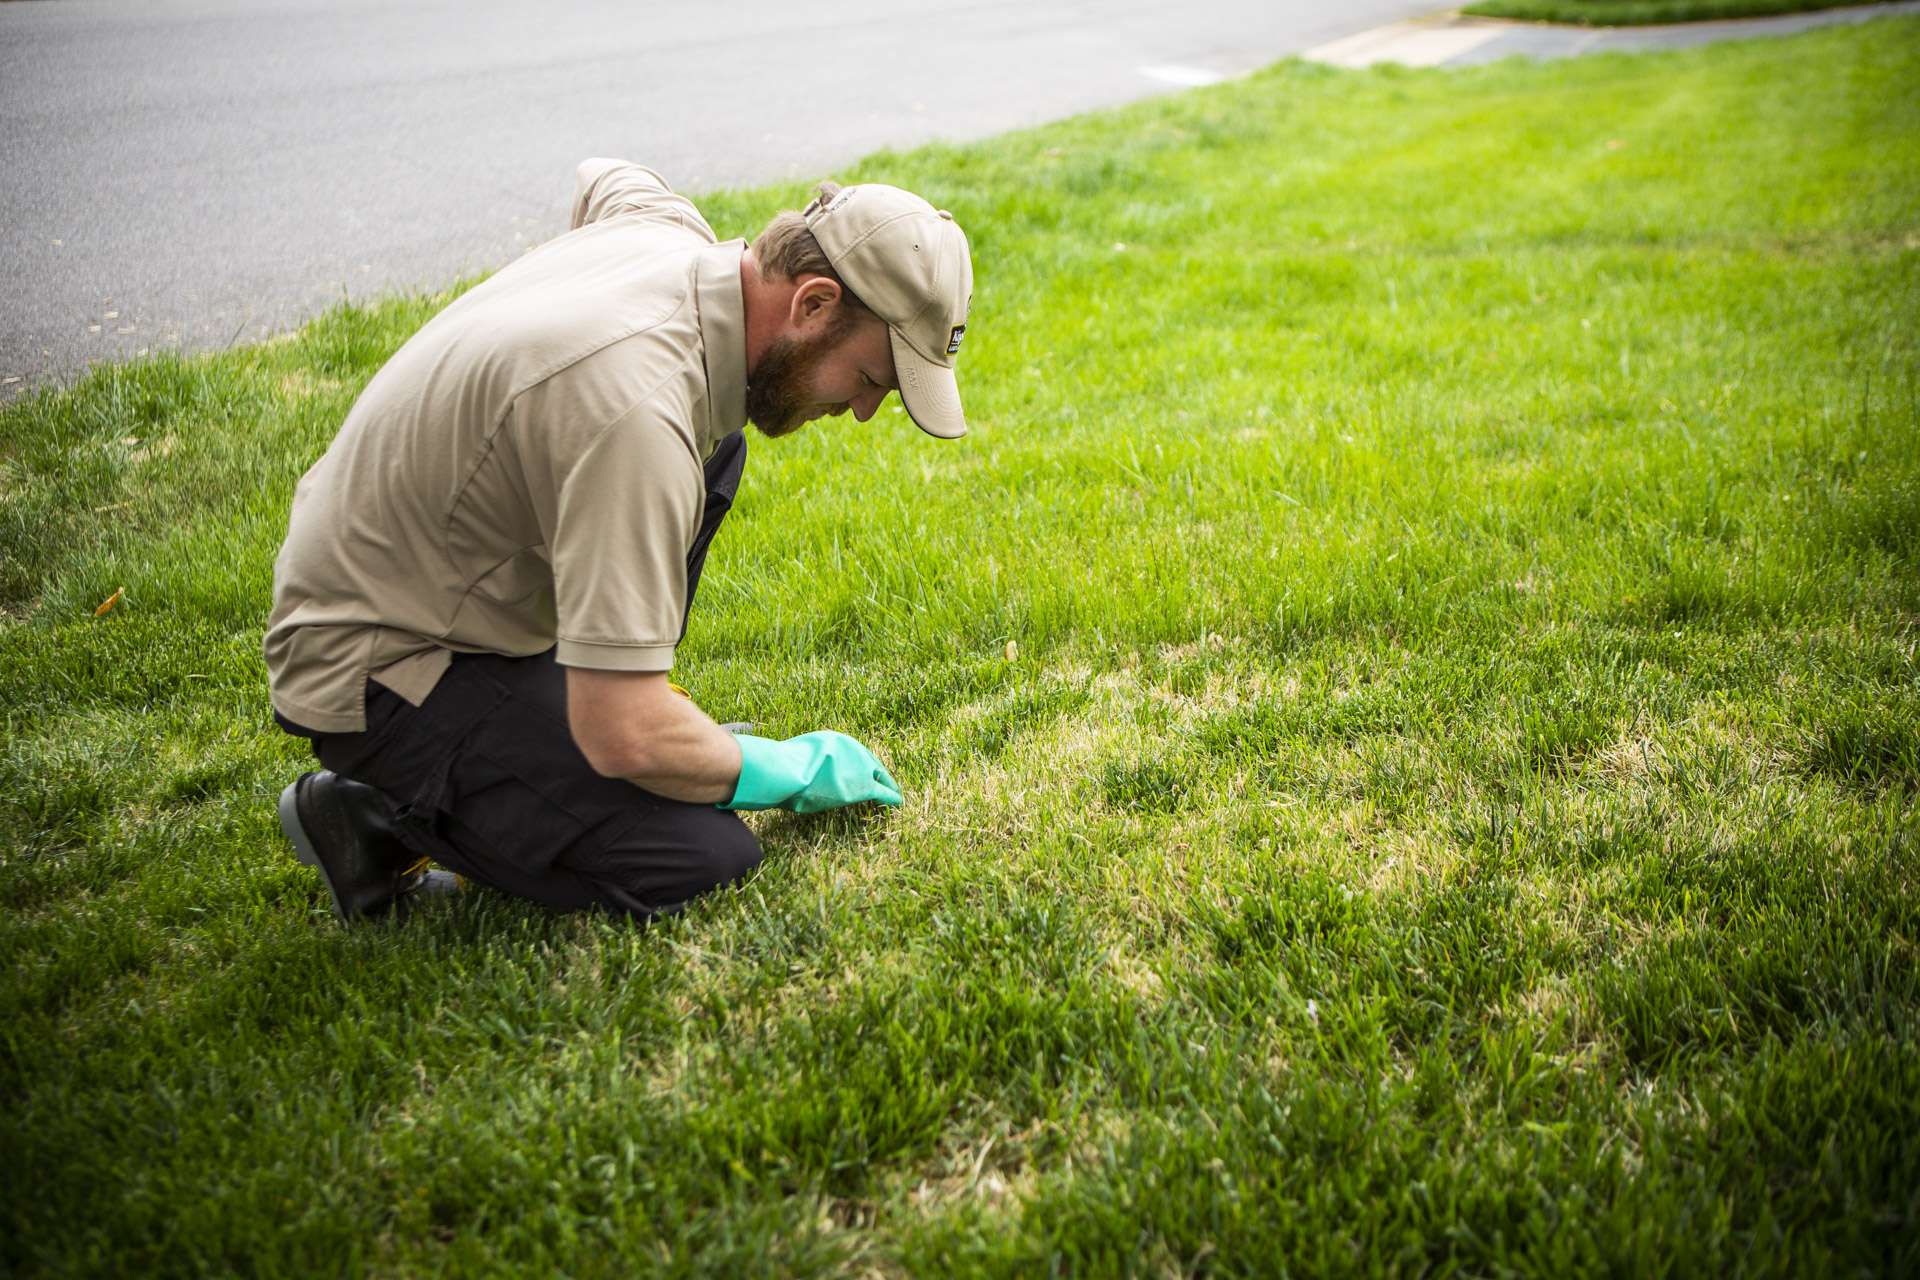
<point>930,391</point>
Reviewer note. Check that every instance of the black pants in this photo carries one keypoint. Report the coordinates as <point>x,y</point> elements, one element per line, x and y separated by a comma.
<point>486,779</point>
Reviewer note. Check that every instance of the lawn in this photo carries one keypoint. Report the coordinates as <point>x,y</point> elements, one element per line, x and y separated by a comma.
<point>1632,13</point>
<point>1407,699</point>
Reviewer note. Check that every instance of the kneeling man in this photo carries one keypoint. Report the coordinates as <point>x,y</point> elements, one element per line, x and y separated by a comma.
<point>486,574</point>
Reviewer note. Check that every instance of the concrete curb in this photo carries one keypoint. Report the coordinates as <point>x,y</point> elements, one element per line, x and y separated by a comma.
<point>1454,40</point>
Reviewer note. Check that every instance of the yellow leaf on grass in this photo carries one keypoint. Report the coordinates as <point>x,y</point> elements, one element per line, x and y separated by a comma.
<point>109,602</point>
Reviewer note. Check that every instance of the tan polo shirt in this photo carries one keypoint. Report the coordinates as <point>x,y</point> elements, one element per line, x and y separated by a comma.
<point>526,470</point>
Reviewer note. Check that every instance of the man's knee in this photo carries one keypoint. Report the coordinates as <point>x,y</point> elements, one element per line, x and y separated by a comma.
<point>734,850</point>
<point>662,865</point>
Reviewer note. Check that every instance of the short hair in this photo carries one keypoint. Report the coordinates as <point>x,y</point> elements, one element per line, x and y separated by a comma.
<point>787,248</point>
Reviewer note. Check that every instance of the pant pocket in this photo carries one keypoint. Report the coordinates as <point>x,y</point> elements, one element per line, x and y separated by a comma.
<point>517,780</point>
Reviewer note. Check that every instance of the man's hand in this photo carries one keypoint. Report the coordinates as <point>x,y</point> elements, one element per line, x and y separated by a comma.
<point>632,725</point>
<point>815,771</point>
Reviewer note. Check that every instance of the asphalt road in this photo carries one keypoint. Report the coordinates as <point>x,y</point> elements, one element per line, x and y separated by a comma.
<point>192,173</point>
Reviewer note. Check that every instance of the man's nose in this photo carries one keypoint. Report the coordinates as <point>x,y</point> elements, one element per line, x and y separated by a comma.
<point>868,404</point>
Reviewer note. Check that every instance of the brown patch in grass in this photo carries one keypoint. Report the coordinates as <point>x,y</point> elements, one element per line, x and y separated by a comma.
<point>299,384</point>
<point>1133,974</point>
<point>997,1169</point>
<point>1212,642</point>
<point>149,449</point>
<point>1405,860</point>
<point>1632,755</point>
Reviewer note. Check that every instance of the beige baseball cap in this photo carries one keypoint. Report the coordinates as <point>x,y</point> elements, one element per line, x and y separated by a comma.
<point>908,261</point>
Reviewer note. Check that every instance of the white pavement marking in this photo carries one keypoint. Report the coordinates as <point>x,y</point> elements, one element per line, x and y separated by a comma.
<point>1185,77</point>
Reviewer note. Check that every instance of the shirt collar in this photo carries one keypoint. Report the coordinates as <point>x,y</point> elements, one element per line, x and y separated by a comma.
<point>723,338</point>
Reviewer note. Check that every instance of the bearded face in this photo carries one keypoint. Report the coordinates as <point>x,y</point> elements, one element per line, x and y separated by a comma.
<point>780,395</point>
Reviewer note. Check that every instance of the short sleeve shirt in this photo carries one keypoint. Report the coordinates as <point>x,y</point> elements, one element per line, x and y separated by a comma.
<point>527,471</point>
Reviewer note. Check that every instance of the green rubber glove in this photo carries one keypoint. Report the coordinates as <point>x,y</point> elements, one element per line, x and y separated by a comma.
<point>815,771</point>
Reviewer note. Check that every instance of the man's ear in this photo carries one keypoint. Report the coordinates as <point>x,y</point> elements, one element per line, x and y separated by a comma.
<point>814,304</point>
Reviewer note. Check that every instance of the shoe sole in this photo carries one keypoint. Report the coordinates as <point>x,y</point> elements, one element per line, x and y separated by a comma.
<point>303,849</point>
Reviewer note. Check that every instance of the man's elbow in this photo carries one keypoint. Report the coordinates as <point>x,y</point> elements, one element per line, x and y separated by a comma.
<point>613,755</point>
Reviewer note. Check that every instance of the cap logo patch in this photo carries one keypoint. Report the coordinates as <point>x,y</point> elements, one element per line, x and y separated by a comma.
<point>953,339</point>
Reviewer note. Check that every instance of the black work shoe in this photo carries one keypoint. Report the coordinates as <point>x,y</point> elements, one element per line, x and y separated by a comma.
<point>345,828</point>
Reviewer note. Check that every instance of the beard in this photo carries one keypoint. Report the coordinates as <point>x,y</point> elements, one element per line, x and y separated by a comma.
<point>780,390</point>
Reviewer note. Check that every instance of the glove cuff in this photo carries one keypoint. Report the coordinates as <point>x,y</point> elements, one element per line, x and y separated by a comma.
<point>767,776</point>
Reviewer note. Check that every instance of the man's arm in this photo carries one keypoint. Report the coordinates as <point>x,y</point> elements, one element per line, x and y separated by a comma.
<point>632,725</point>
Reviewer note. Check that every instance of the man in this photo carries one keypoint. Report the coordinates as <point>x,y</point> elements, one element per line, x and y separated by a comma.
<point>486,575</point>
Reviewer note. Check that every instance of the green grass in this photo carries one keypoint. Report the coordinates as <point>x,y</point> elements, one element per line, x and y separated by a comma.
<point>1408,702</point>
<point>1634,13</point>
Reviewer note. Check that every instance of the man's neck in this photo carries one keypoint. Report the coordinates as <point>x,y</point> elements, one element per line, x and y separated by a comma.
<point>767,302</point>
